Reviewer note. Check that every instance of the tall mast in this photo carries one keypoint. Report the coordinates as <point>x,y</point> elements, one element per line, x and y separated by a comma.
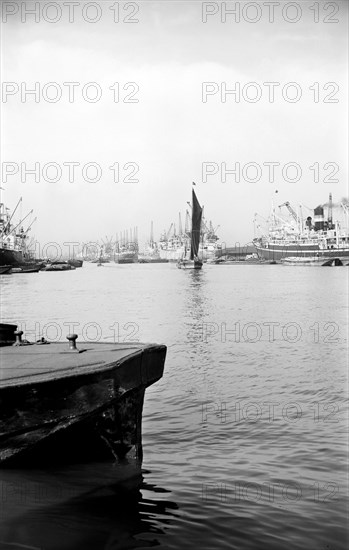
<point>151,233</point>
<point>34,220</point>
<point>22,220</point>
<point>330,220</point>
<point>13,213</point>
<point>187,221</point>
<point>301,221</point>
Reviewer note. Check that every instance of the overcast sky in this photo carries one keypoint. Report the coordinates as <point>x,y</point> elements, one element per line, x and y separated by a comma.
<point>165,137</point>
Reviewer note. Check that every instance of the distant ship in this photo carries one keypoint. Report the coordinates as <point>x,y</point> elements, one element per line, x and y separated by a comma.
<point>126,254</point>
<point>173,245</point>
<point>320,238</point>
<point>13,239</point>
<point>209,245</point>
<point>151,254</point>
<point>102,257</point>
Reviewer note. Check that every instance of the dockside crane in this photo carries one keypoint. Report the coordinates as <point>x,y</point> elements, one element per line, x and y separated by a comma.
<point>290,209</point>
<point>345,207</point>
<point>187,228</point>
<point>13,230</point>
<point>169,232</point>
<point>180,229</point>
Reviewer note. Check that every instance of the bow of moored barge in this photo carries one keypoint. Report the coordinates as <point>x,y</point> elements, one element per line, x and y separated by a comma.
<point>62,404</point>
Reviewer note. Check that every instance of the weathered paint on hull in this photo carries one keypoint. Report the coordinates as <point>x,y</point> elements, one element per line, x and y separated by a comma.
<point>61,406</point>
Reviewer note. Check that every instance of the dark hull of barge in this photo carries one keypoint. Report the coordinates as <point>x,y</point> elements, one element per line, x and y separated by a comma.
<point>61,406</point>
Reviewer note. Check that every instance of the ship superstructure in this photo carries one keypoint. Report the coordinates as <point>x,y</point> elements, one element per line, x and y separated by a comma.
<point>13,237</point>
<point>316,236</point>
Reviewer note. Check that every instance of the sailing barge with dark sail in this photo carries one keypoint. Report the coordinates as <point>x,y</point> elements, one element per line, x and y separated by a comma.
<point>193,261</point>
<point>66,404</point>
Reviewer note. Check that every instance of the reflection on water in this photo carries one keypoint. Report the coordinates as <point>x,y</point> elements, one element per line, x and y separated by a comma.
<point>196,295</point>
<point>222,472</point>
<point>52,510</point>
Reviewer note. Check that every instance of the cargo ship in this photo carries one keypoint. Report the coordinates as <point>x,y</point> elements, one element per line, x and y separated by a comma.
<point>126,254</point>
<point>13,238</point>
<point>125,248</point>
<point>150,254</point>
<point>317,237</point>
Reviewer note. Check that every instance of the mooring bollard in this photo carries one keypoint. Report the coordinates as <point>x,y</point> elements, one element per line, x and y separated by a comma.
<point>72,342</point>
<point>18,334</point>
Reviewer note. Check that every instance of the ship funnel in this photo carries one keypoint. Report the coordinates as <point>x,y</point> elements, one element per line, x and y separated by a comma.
<point>319,218</point>
<point>309,223</point>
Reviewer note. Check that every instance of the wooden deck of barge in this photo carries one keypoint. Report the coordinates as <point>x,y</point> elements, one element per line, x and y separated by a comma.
<point>47,362</point>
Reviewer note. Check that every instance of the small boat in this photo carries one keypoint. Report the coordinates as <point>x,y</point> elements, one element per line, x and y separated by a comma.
<point>333,262</point>
<point>75,263</point>
<point>63,403</point>
<point>192,261</point>
<point>58,266</point>
<point>102,259</point>
<point>24,269</point>
<point>5,269</point>
<point>312,261</point>
<point>148,260</point>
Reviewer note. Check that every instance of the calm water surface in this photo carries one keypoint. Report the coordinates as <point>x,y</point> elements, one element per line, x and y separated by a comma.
<point>245,436</point>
